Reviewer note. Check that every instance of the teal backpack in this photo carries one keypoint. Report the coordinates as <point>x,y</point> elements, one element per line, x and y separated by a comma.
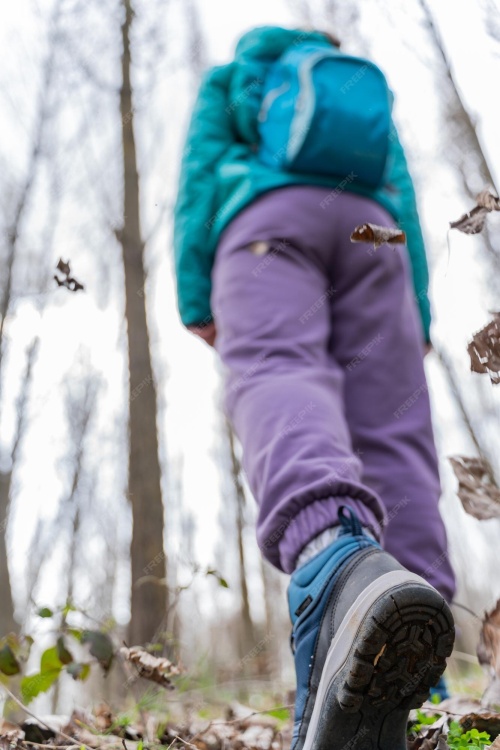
<point>324,112</point>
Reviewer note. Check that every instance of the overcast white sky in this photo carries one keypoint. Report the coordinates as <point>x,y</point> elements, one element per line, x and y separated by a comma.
<point>190,420</point>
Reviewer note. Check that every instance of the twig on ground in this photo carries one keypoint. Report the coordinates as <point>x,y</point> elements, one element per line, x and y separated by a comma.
<point>185,742</point>
<point>236,721</point>
<point>254,713</point>
<point>40,721</point>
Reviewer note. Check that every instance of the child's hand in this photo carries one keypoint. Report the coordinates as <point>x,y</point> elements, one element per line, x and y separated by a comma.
<point>207,332</point>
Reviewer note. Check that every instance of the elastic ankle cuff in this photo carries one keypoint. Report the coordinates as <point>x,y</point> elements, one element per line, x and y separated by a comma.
<point>314,519</point>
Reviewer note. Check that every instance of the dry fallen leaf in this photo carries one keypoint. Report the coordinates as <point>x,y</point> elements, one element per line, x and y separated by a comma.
<point>154,668</point>
<point>87,738</point>
<point>10,741</point>
<point>378,235</point>
<point>246,717</point>
<point>103,718</point>
<point>477,490</point>
<point>221,735</point>
<point>484,350</point>
<point>426,740</point>
<point>7,727</point>
<point>430,743</point>
<point>473,222</point>
<point>11,735</point>
<point>483,722</point>
<point>488,653</point>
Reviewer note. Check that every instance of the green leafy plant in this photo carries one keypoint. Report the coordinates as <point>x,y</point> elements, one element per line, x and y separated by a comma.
<point>458,739</point>
<point>222,581</point>
<point>283,714</point>
<point>15,650</point>
<point>422,721</point>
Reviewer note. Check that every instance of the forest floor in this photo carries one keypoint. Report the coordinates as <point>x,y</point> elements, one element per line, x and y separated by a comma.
<point>456,723</point>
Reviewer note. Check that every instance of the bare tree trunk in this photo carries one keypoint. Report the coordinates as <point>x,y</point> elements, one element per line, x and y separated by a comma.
<point>173,619</point>
<point>275,632</point>
<point>467,143</point>
<point>248,633</point>
<point>474,175</point>
<point>196,41</point>
<point>459,113</point>
<point>449,371</point>
<point>148,600</point>
<point>7,622</point>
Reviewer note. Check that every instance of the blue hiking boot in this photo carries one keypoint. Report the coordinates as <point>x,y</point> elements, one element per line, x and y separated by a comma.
<point>369,638</point>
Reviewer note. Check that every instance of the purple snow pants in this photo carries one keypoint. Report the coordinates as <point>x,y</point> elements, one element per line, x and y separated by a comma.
<point>322,347</point>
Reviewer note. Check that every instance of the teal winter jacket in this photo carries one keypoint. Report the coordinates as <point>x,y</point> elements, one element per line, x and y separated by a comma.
<point>221,174</point>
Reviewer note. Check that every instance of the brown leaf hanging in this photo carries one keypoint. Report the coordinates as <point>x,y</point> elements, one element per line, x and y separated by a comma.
<point>471,223</point>
<point>484,350</point>
<point>63,267</point>
<point>477,490</point>
<point>488,653</point>
<point>154,668</point>
<point>427,739</point>
<point>474,221</point>
<point>487,200</point>
<point>70,283</point>
<point>378,235</point>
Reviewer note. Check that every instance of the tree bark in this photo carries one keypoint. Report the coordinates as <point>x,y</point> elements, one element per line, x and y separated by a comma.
<point>7,622</point>
<point>148,599</point>
<point>196,40</point>
<point>459,113</point>
<point>467,143</point>
<point>453,383</point>
<point>247,641</point>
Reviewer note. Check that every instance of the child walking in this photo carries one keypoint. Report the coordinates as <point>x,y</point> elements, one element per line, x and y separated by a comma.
<point>323,344</point>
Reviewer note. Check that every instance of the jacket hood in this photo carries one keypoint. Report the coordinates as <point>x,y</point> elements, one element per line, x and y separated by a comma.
<point>272,41</point>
